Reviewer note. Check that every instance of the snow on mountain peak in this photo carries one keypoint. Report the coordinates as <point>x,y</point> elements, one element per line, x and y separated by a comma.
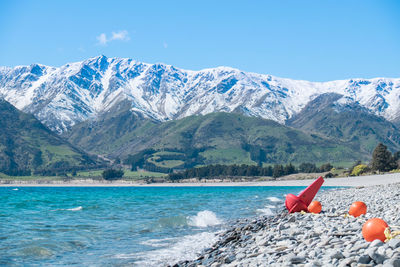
<point>63,96</point>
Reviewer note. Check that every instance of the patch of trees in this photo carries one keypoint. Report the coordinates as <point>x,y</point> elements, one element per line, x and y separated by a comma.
<point>137,160</point>
<point>10,167</point>
<point>112,174</point>
<point>17,172</point>
<point>277,170</point>
<point>190,157</point>
<point>325,167</point>
<point>148,166</point>
<point>383,160</point>
<point>37,159</point>
<point>257,154</point>
<point>62,168</point>
<point>193,157</point>
<point>170,157</point>
<point>359,169</point>
<point>308,167</point>
<point>50,172</point>
<point>63,171</point>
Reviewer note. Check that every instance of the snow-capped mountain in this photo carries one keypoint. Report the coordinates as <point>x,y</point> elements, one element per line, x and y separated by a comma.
<point>61,97</point>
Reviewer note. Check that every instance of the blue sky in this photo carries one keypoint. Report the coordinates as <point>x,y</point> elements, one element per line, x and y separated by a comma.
<point>313,40</point>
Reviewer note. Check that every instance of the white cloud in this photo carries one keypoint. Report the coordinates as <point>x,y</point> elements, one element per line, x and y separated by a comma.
<point>123,35</point>
<point>102,39</point>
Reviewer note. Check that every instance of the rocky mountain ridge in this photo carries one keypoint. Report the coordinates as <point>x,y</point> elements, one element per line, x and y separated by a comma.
<point>61,97</point>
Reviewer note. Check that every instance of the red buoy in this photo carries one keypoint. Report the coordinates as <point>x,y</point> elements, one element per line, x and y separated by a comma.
<point>300,203</point>
<point>294,204</point>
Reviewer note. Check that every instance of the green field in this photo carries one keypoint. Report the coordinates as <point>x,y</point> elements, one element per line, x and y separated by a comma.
<point>32,178</point>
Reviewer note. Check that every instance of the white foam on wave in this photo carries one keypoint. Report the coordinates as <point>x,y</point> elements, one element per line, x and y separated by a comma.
<point>15,189</point>
<point>185,248</point>
<point>266,211</point>
<point>274,199</point>
<point>203,219</point>
<point>75,209</point>
<point>158,243</point>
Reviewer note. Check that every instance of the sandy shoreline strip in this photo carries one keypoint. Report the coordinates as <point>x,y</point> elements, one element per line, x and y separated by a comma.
<point>370,180</point>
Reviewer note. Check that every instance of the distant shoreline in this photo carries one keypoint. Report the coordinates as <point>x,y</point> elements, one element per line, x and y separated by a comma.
<point>357,181</point>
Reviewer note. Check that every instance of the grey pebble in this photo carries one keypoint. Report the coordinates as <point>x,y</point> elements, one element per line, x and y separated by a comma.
<point>394,243</point>
<point>376,243</point>
<point>364,259</point>
<point>393,263</point>
<point>296,259</point>
<point>377,258</point>
<point>336,255</point>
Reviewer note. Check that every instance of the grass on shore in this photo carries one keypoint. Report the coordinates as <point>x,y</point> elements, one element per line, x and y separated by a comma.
<point>32,178</point>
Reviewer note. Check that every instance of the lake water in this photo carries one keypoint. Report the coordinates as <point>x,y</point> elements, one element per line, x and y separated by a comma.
<point>124,226</point>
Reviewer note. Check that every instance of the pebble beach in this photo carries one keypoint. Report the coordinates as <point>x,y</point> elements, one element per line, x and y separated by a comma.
<point>327,239</point>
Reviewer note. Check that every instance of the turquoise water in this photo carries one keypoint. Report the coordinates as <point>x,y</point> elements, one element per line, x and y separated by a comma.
<point>143,226</point>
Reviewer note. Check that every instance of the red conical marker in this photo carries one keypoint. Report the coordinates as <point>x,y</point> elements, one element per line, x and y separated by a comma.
<point>294,204</point>
<point>308,194</point>
<point>300,203</point>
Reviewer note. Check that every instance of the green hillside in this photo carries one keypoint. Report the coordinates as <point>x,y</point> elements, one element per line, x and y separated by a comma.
<point>198,140</point>
<point>116,130</point>
<point>232,138</point>
<point>27,146</point>
<point>350,124</point>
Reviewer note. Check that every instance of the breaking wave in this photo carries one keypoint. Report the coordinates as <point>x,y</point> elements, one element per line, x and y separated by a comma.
<point>184,248</point>
<point>266,211</point>
<point>75,209</point>
<point>274,199</point>
<point>203,219</point>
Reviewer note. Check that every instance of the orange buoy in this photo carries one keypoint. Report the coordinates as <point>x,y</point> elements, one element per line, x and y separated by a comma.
<point>374,229</point>
<point>315,207</point>
<point>358,208</point>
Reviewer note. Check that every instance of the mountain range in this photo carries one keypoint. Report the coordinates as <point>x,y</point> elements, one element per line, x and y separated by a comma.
<point>62,96</point>
<point>176,118</point>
